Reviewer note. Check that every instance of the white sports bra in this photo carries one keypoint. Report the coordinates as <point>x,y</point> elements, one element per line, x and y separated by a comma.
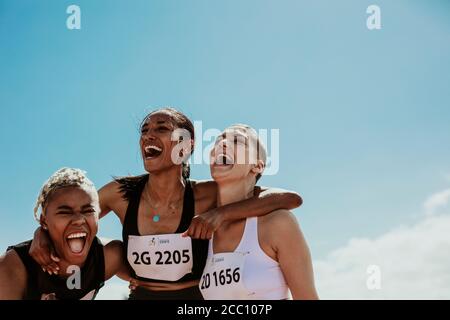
<point>247,273</point>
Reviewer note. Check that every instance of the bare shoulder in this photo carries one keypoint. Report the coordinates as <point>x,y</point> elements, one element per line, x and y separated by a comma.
<point>13,276</point>
<point>205,194</point>
<point>111,189</point>
<point>279,219</point>
<point>204,188</point>
<point>111,199</point>
<point>10,262</point>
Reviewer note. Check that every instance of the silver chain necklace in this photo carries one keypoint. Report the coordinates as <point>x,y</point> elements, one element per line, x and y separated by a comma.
<point>157,217</point>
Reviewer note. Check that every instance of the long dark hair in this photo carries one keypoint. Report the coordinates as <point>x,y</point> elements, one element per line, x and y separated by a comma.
<point>129,184</point>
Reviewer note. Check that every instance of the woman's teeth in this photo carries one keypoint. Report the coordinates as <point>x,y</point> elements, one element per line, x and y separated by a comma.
<point>76,241</point>
<point>150,148</point>
<point>77,235</point>
<point>152,151</point>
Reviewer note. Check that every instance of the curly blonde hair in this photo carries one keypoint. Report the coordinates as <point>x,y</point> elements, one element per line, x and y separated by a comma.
<point>64,177</point>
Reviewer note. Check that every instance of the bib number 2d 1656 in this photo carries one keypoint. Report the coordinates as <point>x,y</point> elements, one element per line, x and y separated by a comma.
<point>220,278</point>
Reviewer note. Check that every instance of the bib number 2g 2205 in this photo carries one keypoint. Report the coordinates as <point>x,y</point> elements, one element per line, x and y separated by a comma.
<point>221,278</point>
<point>162,257</point>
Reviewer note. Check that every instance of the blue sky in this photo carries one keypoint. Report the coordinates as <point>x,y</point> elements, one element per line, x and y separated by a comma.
<point>363,115</point>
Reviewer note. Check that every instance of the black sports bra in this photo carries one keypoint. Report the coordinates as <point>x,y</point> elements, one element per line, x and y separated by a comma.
<point>130,227</point>
<point>40,285</point>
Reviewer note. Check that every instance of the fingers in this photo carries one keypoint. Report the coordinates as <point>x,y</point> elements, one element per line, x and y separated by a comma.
<point>204,232</point>
<point>47,264</point>
<point>52,265</point>
<point>199,229</point>
<point>197,233</point>
<point>52,268</point>
<point>132,286</point>
<point>192,229</point>
<point>54,257</point>
<point>134,283</point>
<point>46,257</point>
<point>43,261</point>
<point>209,234</point>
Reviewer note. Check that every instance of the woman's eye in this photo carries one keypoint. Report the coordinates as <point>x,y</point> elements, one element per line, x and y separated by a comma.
<point>162,129</point>
<point>64,212</point>
<point>144,131</point>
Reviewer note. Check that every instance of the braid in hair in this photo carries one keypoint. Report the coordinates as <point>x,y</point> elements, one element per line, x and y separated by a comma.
<point>64,177</point>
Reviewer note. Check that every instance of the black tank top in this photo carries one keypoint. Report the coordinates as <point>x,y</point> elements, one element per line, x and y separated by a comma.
<point>130,227</point>
<point>41,285</point>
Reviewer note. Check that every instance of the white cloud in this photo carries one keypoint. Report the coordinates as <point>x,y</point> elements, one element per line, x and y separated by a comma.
<point>437,201</point>
<point>414,262</point>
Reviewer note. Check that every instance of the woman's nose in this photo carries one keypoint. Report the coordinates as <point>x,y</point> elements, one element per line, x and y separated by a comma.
<point>149,136</point>
<point>78,219</point>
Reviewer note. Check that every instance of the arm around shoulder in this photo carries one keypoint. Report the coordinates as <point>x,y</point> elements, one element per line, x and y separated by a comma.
<point>287,199</point>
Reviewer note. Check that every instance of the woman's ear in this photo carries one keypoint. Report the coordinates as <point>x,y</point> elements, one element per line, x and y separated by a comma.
<point>185,148</point>
<point>259,167</point>
<point>43,222</point>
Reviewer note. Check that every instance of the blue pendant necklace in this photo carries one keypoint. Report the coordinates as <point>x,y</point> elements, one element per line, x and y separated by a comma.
<point>156,216</point>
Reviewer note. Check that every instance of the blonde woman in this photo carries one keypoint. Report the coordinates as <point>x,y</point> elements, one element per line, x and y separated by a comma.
<point>264,257</point>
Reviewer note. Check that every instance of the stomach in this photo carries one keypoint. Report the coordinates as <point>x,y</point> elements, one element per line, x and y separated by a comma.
<point>157,286</point>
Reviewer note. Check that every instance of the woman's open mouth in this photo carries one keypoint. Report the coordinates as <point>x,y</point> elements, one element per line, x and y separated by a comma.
<point>76,241</point>
<point>152,151</point>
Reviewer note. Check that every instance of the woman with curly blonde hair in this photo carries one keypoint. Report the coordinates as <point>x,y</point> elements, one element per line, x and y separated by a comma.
<point>67,208</point>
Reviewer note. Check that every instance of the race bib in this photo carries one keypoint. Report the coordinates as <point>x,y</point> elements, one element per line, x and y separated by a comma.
<point>161,257</point>
<point>222,277</point>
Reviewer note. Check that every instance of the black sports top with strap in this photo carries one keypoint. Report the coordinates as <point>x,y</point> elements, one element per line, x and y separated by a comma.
<point>42,286</point>
<point>130,229</point>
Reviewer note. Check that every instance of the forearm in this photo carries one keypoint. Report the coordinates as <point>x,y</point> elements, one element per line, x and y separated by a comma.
<point>263,203</point>
<point>124,273</point>
<point>115,263</point>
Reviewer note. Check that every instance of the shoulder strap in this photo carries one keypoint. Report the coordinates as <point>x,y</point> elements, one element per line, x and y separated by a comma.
<point>188,208</point>
<point>130,226</point>
<point>98,257</point>
<point>249,240</point>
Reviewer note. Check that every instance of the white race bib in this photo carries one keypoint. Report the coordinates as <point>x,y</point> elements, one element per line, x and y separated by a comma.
<point>222,277</point>
<point>161,257</point>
